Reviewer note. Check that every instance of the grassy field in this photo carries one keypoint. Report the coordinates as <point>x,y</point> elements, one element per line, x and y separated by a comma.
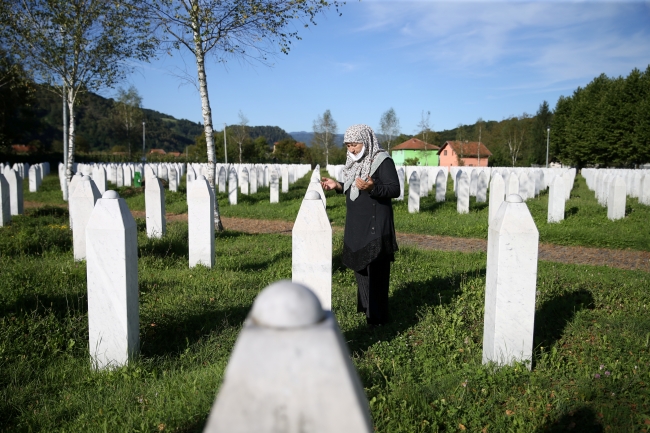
<point>585,223</point>
<point>421,373</point>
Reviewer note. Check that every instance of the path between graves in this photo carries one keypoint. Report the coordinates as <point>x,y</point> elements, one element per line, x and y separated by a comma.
<point>623,259</point>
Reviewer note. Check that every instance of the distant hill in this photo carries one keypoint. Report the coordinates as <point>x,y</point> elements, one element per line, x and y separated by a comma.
<point>306,137</point>
<point>97,128</point>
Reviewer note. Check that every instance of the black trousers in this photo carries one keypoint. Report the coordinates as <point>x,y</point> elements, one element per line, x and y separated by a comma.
<point>372,294</point>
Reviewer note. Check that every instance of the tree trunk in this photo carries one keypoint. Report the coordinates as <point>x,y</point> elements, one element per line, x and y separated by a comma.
<point>207,123</point>
<point>71,132</point>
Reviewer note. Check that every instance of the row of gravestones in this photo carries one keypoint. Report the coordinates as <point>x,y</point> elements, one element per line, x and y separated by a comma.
<point>613,186</point>
<point>11,187</point>
<point>290,363</point>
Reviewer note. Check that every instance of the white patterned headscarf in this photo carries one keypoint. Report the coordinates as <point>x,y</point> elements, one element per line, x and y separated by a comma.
<point>373,155</point>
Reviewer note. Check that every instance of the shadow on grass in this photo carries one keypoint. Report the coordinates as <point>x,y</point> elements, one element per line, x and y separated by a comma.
<point>405,305</point>
<point>581,420</point>
<point>36,305</point>
<point>173,335</point>
<point>554,315</point>
<point>264,264</point>
<point>49,211</point>
<point>166,247</point>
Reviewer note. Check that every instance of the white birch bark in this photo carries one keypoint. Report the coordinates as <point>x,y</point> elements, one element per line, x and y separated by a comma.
<point>71,132</point>
<point>207,120</point>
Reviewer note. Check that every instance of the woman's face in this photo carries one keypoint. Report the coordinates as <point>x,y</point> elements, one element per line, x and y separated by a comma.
<point>354,148</point>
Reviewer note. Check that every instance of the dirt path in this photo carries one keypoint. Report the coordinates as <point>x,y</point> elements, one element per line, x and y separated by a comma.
<point>623,259</point>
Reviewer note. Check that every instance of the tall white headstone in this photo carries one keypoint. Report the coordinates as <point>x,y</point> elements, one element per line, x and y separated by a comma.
<point>15,192</point>
<point>222,179</point>
<point>232,187</point>
<point>424,182</point>
<point>200,208</point>
<point>556,200</point>
<point>311,257</point>
<point>119,173</point>
<point>510,287</point>
<point>644,189</point>
<point>414,192</point>
<point>99,177</point>
<point>275,187</point>
<point>290,371</point>
<point>441,185</point>
<point>81,205</point>
<point>172,175</point>
<point>512,184</point>
<point>617,199</point>
<point>245,181</point>
<point>462,192</point>
<point>33,179</point>
<point>154,200</point>
<point>285,179</point>
<point>473,183</point>
<point>497,196</point>
<point>400,176</point>
<point>112,280</point>
<point>481,187</point>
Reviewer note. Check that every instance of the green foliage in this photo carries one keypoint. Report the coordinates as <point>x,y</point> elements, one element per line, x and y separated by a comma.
<point>411,161</point>
<point>605,123</point>
<point>16,103</point>
<point>291,151</point>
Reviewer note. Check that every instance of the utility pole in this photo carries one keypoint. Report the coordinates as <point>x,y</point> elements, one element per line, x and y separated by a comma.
<point>548,134</point>
<point>225,147</point>
<point>479,146</point>
<point>144,157</point>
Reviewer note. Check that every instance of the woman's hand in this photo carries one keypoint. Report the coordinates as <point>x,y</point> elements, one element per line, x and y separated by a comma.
<point>365,185</point>
<point>329,184</point>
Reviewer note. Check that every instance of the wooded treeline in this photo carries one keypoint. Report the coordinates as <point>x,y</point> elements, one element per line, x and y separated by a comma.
<point>606,123</point>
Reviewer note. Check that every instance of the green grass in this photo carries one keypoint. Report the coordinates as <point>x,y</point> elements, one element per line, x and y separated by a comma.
<point>585,223</point>
<point>421,373</point>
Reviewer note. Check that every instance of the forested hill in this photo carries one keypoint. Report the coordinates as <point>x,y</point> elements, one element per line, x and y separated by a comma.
<point>98,127</point>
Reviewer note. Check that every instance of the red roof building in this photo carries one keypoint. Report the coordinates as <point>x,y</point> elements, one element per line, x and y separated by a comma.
<point>425,153</point>
<point>466,153</point>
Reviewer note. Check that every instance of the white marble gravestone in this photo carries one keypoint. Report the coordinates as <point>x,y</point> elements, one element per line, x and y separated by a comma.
<point>424,182</point>
<point>200,220</point>
<point>290,371</point>
<point>275,187</point>
<point>523,186</point>
<point>644,189</point>
<point>510,285</point>
<point>172,179</point>
<point>99,177</point>
<point>462,193</point>
<point>81,204</point>
<point>285,179</point>
<point>441,185</point>
<point>512,184</point>
<point>556,200</point>
<point>253,180</point>
<point>5,202</point>
<point>481,187</point>
<point>163,173</point>
<point>311,256</point>
<point>414,192</point>
<point>154,200</point>
<point>33,178</point>
<point>617,199</point>
<point>497,196</point>
<point>112,279</point>
<point>119,173</point>
<point>15,192</point>
<point>232,187</point>
<point>245,181</point>
<point>473,183</point>
<point>222,179</point>
<point>128,175</point>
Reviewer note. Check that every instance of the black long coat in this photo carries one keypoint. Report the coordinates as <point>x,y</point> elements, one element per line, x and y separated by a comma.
<point>369,226</point>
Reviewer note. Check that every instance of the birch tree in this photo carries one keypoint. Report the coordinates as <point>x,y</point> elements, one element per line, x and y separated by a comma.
<point>514,134</point>
<point>128,109</point>
<point>389,127</point>
<point>244,29</point>
<point>425,131</point>
<point>241,133</point>
<point>75,45</point>
<point>325,129</point>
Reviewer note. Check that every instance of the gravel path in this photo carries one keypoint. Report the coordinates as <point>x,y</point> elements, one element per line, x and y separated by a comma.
<point>623,259</point>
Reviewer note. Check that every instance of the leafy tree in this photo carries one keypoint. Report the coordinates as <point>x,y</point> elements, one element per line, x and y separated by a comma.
<point>389,127</point>
<point>291,151</point>
<point>514,133</point>
<point>79,44</point>
<point>249,29</point>
<point>16,102</point>
<point>323,142</point>
<point>128,111</point>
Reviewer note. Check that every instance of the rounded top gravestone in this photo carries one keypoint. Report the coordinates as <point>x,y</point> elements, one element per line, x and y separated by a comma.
<point>514,198</point>
<point>312,195</point>
<point>286,305</point>
<point>111,194</point>
<point>200,177</point>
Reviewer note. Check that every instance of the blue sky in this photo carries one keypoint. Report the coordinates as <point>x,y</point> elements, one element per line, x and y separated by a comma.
<point>459,60</point>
